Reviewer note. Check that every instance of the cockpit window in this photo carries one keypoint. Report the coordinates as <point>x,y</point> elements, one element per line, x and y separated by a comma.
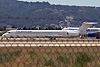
<point>9,32</point>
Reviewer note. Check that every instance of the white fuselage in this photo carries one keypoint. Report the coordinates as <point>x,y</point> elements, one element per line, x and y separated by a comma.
<point>67,32</point>
<point>89,30</point>
<point>41,33</point>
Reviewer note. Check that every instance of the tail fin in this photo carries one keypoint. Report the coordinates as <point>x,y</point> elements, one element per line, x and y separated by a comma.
<point>86,25</point>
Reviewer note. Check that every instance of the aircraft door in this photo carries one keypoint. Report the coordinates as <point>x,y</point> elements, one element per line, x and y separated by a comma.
<point>67,33</point>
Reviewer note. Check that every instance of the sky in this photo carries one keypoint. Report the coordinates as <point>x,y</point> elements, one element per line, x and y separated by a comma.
<point>95,3</point>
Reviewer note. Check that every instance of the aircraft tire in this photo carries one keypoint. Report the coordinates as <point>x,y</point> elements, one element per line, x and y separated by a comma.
<point>52,38</point>
<point>97,37</point>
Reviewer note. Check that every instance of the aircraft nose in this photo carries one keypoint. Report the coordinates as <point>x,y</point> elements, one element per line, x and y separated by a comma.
<point>4,35</point>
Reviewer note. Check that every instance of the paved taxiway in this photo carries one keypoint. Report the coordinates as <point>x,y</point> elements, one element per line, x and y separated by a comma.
<point>49,44</point>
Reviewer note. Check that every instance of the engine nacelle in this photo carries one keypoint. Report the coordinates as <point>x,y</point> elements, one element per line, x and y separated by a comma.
<point>91,34</point>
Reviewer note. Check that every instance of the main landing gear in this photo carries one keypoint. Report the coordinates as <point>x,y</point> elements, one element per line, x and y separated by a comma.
<point>97,37</point>
<point>82,36</point>
<point>52,38</point>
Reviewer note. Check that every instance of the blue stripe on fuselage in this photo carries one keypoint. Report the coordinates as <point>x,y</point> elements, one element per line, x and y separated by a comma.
<point>91,30</point>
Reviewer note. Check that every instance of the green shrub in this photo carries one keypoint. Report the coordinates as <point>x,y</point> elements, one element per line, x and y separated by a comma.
<point>61,58</point>
<point>33,54</point>
<point>49,63</point>
<point>82,59</point>
<point>5,57</point>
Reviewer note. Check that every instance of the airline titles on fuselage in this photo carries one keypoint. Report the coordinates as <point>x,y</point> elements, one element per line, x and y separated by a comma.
<point>24,31</point>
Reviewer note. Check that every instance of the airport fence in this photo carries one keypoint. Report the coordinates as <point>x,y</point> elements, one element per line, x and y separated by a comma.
<point>42,52</point>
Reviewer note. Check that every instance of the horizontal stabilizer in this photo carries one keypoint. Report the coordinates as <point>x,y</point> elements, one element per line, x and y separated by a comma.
<point>90,23</point>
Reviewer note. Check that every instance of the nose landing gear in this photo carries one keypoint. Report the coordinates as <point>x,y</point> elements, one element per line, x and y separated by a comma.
<point>82,36</point>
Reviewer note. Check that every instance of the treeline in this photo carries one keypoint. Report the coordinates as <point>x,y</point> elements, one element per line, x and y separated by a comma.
<point>39,28</point>
<point>30,28</point>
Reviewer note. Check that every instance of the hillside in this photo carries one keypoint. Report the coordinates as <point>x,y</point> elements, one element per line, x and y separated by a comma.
<point>14,8</point>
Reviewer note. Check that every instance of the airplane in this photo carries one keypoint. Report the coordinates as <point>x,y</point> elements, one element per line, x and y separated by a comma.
<point>53,34</point>
<point>91,32</point>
